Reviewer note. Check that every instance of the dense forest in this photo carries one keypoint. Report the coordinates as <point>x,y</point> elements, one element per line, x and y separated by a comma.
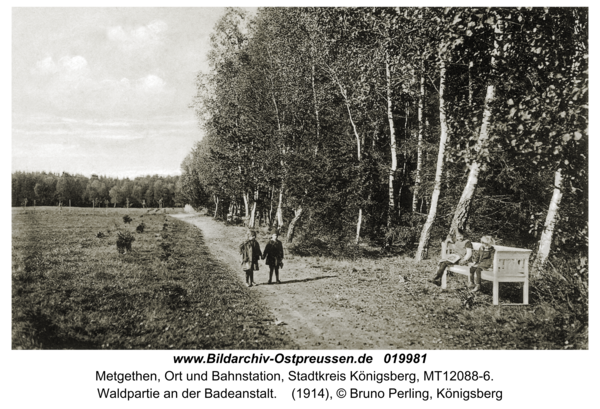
<point>49,189</point>
<point>398,125</point>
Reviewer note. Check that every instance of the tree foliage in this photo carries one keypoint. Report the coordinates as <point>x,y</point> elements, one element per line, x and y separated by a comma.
<point>319,106</point>
<point>49,189</point>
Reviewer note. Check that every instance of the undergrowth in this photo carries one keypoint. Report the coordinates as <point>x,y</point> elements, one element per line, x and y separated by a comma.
<point>556,317</point>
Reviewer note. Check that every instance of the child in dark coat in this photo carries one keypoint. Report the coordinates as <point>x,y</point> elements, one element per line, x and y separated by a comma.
<point>274,255</point>
<point>483,259</point>
<point>250,251</point>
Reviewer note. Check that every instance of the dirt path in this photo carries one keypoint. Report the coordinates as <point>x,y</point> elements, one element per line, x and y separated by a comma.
<point>323,307</point>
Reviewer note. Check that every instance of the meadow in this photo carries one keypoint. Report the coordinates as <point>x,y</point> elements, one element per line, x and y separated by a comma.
<point>72,289</point>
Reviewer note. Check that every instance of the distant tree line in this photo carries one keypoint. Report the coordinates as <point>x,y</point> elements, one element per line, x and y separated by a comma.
<point>50,189</point>
<point>398,124</point>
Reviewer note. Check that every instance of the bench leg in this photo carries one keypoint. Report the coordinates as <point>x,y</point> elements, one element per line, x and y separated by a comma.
<point>444,277</point>
<point>526,292</point>
<point>495,291</point>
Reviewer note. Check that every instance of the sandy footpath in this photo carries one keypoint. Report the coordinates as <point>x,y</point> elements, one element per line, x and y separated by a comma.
<point>315,303</point>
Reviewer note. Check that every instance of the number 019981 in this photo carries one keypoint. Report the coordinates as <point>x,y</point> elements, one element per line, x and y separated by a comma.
<point>404,358</point>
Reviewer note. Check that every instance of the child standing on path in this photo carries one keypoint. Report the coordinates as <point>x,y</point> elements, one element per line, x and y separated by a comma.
<point>463,249</point>
<point>274,255</point>
<point>483,260</point>
<point>250,251</point>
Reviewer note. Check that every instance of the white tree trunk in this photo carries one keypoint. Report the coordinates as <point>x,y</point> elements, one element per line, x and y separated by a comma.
<point>279,209</point>
<point>551,218</point>
<point>358,226</point>
<point>394,164</point>
<point>318,125</point>
<point>419,147</point>
<point>252,221</point>
<point>470,85</point>
<point>464,204</point>
<point>461,214</point>
<point>216,199</point>
<point>426,232</point>
<point>271,208</point>
<point>246,205</point>
<point>358,143</point>
<point>292,226</point>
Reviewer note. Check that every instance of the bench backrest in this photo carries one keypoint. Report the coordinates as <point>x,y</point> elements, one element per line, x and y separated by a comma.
<point>506,259</point>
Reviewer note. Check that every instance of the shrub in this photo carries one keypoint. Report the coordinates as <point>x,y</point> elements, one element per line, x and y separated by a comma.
<point>127,219</point>
<point>166,250</point>
<point>140,228</point>
<point>124,240</point>
<point>564,282</point>
<point>406,235</point>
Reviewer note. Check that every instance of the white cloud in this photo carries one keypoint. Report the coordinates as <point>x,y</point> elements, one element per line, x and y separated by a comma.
<point>152,83</point>
<point>69,85</point>
<point>129,39</point>
<point>73,63</point>
<point>45,66</point>
<point>66,66</point>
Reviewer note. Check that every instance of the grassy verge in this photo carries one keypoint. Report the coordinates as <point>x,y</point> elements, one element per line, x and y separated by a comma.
<point>72,290</point>
<point>391,289</point>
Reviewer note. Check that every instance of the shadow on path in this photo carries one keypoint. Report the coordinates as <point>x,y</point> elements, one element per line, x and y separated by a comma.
<point>299,281</point>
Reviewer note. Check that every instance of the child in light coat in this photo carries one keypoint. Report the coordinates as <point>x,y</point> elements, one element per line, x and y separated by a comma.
<point>250,251</point>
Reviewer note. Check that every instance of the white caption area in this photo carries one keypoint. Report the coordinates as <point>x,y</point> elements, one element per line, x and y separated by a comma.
<point>513,378</point>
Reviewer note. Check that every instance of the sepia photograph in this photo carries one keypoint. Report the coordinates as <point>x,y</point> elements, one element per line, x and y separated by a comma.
<point>300,178</point>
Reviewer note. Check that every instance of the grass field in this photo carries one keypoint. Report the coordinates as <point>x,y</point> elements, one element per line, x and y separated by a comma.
<point>73,290</point>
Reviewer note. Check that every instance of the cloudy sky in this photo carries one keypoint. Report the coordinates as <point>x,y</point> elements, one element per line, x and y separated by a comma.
<point>106,90</point>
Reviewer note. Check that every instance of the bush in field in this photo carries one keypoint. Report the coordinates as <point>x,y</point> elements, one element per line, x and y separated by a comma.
<point>124,240</point>
<point>140,228</point>
<point>100,235</point>
<point>166,251</point>
<point>127,219</point>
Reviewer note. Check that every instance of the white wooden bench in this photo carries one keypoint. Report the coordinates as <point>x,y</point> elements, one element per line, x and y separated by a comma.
<point>511,264</point>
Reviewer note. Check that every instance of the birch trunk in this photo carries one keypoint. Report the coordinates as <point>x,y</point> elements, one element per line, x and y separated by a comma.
<point>316,107</point>
<point>419,147</point>
<point>461,213</point>
<point>426,232</point>
<point>292,226</point>
<point>246,205</point>
<point>470,85</point>
<point>394,164</point>
<point>279,212</point>
<point>358,150</point>
<point>279,209</point>
<point>551,218</point>
<point>271,208</point>
<point>358,226</point>
<point>252,220</point>
<point>216,199</point>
